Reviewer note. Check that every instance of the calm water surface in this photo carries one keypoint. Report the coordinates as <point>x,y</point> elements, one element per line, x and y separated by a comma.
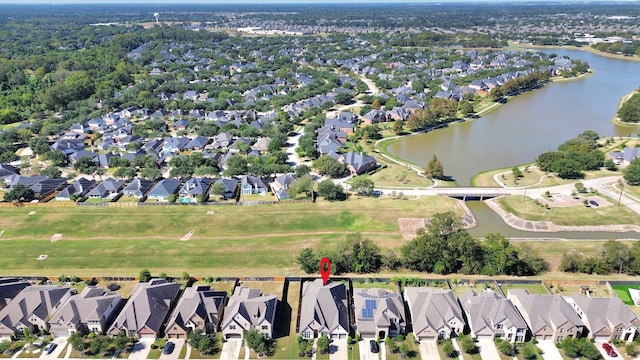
<point>527,126</point>
<point>531,123</point>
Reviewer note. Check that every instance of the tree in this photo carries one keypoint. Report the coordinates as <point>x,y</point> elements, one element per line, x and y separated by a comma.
<point>219,189</point>
<point>616,254</point>
<point>255,340</point>
<point>447,348</point>
<point>434,169</point>
<point>632,172</point>
<point>145,275</point>
<point>579,187</point>
<point>85,165</point>
<point>19,192</point>
<point>330,191</point>
<point>323,344</point>
<point>236,165</point>
<point>366,254</point>
<point>517,173</point>
<point>302,170</point>
<point>308,260</point>
<point>51,172</point>
<point>329,166</point>
<point>362,185</point>
<point>468,344</point>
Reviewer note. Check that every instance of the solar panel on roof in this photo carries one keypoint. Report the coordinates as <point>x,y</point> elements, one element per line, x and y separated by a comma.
<point>367,313</point>
<point>370,304</point>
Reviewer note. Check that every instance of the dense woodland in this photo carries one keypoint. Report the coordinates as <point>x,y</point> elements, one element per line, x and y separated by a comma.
<point>630,110</point>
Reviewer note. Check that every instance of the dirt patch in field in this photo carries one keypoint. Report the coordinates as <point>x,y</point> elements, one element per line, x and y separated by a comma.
<point>56,237</point>
<point>409,226</point>
<point>42,257</point>
<point>187,237</point>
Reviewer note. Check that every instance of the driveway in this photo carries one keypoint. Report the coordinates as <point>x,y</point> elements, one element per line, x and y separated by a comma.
<point>179,343</point>
<point>141,349</point>
<point>429,349</point>
<point>338,350</point>
<point>365,350</point>
<point>488,350</point>
<point>231,349</point>
<point>61,343</point>
<point>549,350</point>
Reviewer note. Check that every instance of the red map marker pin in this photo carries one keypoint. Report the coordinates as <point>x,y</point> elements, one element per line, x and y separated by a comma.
<point>325,263</point>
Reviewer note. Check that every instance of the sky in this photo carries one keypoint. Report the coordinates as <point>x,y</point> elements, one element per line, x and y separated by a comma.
<point>26,2</point>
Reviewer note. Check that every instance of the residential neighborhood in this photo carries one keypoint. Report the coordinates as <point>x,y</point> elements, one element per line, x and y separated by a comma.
<point>340,311</point>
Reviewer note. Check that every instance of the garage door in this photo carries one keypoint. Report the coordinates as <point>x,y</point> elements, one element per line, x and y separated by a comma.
<point>61,334</point>
<point>343,336</point>
<point>601,339</point>
<point>234,336</point>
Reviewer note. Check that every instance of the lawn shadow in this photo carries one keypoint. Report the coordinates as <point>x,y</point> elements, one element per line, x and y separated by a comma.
<point>283,328</point>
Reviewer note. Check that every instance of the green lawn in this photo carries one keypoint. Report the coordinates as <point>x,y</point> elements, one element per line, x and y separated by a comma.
<point>572,215</point>
<point>623,292</point>
<point>121,241</point>
<point>285,336</point>
<point>532,288</point>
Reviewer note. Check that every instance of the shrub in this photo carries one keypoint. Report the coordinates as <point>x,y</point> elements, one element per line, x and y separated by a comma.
<point>505,347</point>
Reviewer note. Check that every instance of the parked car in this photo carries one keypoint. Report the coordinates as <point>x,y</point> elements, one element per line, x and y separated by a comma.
<point>49,348</point>
<point>593,202</point>
<point>609,350</point>
<point>374,346</point>
<point>168,348</point>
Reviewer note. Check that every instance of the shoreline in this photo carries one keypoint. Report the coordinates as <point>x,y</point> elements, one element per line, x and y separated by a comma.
<point>624,99</point>
<point>579,48</point>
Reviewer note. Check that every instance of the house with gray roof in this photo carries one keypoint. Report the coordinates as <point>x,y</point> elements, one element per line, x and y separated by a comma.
<point>7,170</point>
<point>249,309</point>
<point>197,143</point>
<point>435,313</point>
<point>9,288</point>
<point>137,187</point>
<point>230,188</point>
<point>607,319</point>
<point>194,187</point>
<point>90,311</point>
<point>146,310</point>
<point>358,163</point>
<point>379,313</point>
<point>626,156</point>
<point>324,310</point>
<point>107,189</point>
<point>492,316</point>
<point>163,189</point>
<point>250,184</point>
<point>280,185</point>
<point>199,309</point>
<point>31,308</point>
<point>549,317</point>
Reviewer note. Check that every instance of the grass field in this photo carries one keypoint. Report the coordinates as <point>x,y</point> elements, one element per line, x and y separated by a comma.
<point>532,288</point>
<point>571,215</point>
<point>233,240</point>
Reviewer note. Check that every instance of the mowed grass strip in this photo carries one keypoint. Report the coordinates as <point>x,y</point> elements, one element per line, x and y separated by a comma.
<point>357,215</point>
<point>234,240</point>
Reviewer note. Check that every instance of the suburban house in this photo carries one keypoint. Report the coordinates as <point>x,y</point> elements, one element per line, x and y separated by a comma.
<point>324,310</point>
<point>79,188</point>
<point>249,309</point>
<point>107,189</point>
<point>10,288</point>
<point>7,170</point>
<point>137,188</point>
<point>230,188</point>
<point>90,311</point>
<point>250,184</point>
<point>45,189</point>
<point>199,309</point>
<point>493,316</point>
<point>146,310</point>
<point>358,163</point>
<point>193,188</point>
<point>607,319</point>
<point>625,156</point>
<point>549,317</point>
<point>435,313</point>
<point>163,189</point>
<point>31,308</point>
<point>379,313</point>
<point>280,185</point>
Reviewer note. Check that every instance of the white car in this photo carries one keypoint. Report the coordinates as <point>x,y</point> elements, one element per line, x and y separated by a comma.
<point>49,348</point>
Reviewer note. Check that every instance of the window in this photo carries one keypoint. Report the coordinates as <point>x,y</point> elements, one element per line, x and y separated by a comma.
<point>232,327</point>
<point>265,327</point>
<point>559,338</point>
<point>306,335</point>
<point>498,326</point>
<point>561,330</point>
<point>393,320</point>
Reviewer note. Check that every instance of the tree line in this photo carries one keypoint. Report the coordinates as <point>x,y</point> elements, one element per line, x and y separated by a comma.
<point>574,156</point>
<point>444,247</point>
<point>629,111</point>
<point>613,257</point>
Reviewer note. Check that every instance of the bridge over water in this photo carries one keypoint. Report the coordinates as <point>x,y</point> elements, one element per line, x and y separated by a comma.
<point>473,193</point>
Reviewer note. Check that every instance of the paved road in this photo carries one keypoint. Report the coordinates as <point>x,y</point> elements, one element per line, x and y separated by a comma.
<point>292,144</point>
<point>231,349</point>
